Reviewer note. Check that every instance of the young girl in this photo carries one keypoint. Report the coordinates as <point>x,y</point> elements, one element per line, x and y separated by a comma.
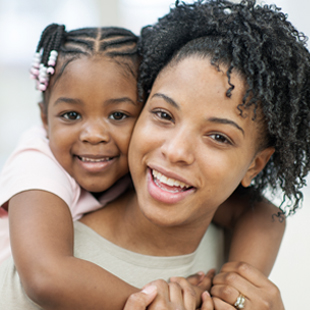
<point>58,172</point>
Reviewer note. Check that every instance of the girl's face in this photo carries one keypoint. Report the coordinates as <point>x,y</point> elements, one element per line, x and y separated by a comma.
<point>191,148</point>
<point>91,112</point>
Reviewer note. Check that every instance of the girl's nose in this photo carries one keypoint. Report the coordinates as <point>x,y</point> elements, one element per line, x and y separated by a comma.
<point>179,148</point>
<point>95,132</point>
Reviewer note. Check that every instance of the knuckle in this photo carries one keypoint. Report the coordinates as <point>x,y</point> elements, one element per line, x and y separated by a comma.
<point>226,291</point>
<point>230,277</point>
<point>160,283</point>
<point>135,299</point>
<point>242,267</point>
<point>189,290</point>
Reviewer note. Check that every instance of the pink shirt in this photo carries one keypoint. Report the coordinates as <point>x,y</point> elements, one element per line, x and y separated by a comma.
<point>32,166</point>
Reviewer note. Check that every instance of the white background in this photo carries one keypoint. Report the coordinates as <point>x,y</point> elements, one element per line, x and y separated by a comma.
<point>21,23</point>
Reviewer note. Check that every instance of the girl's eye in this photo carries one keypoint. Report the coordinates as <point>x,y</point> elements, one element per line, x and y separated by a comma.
<point>71,115</point>
<point>118,116</point>
<point>220,138</point>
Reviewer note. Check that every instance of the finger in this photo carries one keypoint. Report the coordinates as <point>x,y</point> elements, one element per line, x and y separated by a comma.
<point>250,273</point>
<point>226,293</point>
<point>222,305</point>
<point>207,302</point>
<point>190,298</point>
<point>194,279</point>
<point>206,283</point>
<point>236,281</point>
<point>175,293</point>
<point>140,300</point>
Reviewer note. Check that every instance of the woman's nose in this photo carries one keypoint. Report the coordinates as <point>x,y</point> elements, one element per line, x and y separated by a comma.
<point>95,132</point>
<point>179,148</point>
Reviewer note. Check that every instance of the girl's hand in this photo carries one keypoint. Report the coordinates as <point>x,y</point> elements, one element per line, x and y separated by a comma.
<point>198,283</point>
<point>140,300</point>
<point>237,278</point>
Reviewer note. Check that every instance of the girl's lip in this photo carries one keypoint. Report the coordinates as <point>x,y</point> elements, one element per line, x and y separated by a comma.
<point>97,165</point>
<point>165,196</point>
<point>170,174</point>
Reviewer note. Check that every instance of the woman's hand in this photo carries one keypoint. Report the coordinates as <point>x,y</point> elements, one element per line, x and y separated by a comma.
<point>237,279</point>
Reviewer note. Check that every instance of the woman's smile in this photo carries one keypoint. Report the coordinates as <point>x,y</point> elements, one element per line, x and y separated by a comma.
<point>191,148</point>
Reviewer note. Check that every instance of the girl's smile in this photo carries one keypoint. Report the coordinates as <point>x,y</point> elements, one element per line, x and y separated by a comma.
<point>191,148</point>
<point>91,113</point>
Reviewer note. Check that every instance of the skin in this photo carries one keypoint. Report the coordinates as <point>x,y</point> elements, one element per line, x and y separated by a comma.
<point>64,281</point>
<point>91,113</point>
<point>155,221</point>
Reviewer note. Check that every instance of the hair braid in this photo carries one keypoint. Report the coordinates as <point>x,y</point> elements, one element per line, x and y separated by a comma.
<point>56,42</point>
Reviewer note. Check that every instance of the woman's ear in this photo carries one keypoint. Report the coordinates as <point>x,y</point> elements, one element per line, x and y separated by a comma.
<point>43,114</point>
<point>257,165</point>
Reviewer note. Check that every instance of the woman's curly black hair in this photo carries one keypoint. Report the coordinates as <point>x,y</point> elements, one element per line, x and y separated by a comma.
<point>259,43</point>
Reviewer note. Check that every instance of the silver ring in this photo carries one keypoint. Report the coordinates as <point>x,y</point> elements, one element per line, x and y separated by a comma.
<point>239,304</point>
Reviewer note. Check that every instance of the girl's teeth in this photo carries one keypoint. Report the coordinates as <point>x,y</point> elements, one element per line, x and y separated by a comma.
<point>92,160</point>
<point>171,182</point>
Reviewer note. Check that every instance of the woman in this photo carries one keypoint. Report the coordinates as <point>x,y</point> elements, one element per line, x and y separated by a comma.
<point>237,90</point>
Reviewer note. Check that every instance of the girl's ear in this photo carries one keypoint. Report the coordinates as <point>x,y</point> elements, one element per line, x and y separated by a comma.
<point>257,165</point>
<point>43,114</point>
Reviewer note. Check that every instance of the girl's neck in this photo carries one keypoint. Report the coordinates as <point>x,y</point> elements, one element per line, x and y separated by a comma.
<point>123,223</point>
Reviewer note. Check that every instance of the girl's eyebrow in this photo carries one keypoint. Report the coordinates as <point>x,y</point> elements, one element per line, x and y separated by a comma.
<point>67,100</point>
<point>225,121</point>
<point>107,102</point>
<point>120,100</point>
<point>167,99</point>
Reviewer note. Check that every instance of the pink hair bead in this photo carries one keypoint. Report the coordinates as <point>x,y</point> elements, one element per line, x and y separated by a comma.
<point>42,87</point>
<point>50,70</point>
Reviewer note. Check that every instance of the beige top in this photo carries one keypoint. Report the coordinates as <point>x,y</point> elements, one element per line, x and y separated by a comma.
<point>134,268</point>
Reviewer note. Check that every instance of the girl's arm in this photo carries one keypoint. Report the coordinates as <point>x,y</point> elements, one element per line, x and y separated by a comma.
<point>256,231</point>
<point>42,246</point>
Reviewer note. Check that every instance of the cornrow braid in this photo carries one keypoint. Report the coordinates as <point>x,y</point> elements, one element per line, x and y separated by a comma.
<point>56,43</point>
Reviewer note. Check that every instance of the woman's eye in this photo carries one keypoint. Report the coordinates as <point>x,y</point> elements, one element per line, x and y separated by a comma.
<point>71,115</point>
<point>220,138</point>
<point>163,115</point>
<point>118,116</point>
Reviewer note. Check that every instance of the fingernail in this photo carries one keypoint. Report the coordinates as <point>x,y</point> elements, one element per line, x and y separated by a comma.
<point>201,273</point>
<point>206,293</point>
<point>149,289</point>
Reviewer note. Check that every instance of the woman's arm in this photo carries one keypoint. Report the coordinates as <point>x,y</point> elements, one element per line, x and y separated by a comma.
<point>256,231</point>
<point>42,246</point>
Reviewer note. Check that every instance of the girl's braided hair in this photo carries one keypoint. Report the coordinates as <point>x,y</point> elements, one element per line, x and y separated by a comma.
<point>117,43</point>
<point>269,53</point>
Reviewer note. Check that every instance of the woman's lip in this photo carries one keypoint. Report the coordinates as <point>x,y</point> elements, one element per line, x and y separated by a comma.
<point>170,174</point>
<point>165,196</point>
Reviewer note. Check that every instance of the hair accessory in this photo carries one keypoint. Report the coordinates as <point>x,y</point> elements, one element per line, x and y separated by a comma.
<point>52,58</point>
<point>34,71</point>
<point>239,304</point>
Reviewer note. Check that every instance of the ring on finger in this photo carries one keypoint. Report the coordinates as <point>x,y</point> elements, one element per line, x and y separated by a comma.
<point>239,304</point>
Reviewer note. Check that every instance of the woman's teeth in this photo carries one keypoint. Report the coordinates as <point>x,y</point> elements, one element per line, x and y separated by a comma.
<point>93,160</point>
<point>168,181</point>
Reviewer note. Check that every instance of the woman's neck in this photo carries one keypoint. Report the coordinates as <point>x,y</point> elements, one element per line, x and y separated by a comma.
<point>123,223</point>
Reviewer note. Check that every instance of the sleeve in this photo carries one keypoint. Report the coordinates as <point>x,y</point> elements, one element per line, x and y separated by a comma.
<point>35,170</point>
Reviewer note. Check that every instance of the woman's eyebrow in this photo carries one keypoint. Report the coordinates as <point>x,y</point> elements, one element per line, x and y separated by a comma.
<point>167,99</point>
<point>225,121</point>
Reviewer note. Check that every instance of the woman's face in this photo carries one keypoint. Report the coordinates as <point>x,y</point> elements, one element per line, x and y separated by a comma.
<point>191,148</point>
